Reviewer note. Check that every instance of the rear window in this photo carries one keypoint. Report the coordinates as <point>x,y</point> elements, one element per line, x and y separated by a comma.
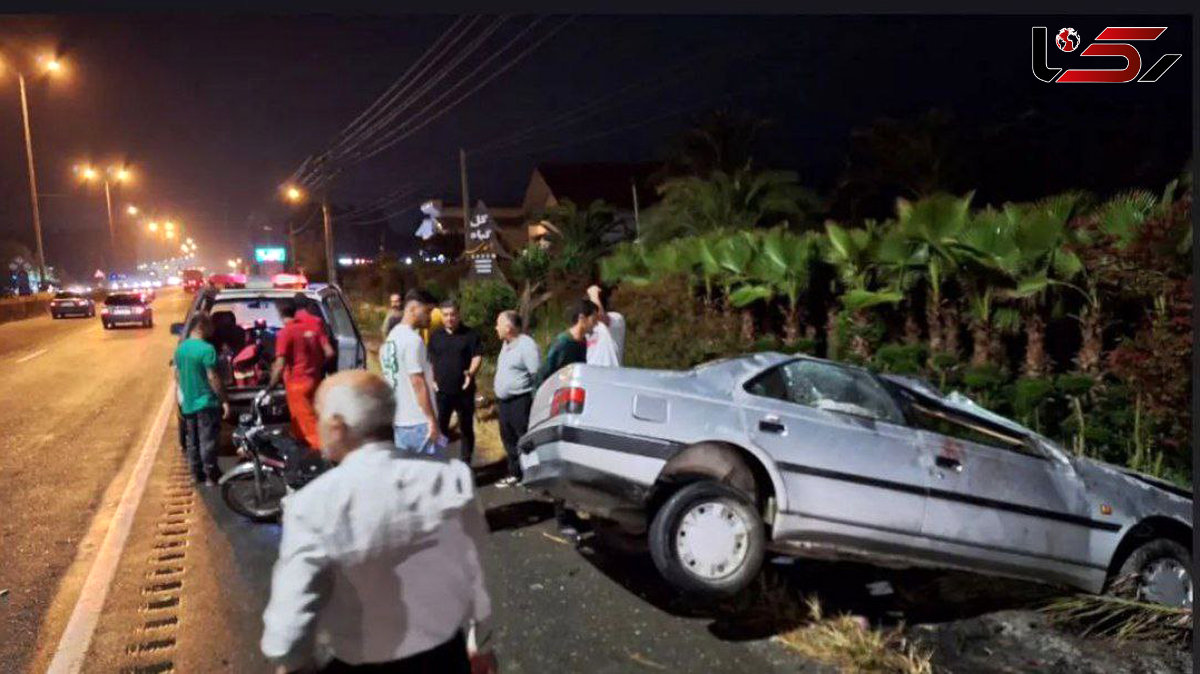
<point>122,300</point>
<point>67,296</point>
<point>247,311</point>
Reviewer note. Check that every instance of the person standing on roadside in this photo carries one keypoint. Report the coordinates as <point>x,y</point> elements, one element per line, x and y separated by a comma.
<point>201,400</point>
<point>569,347</point>
<point>456,353</point>
<point>394,313</point>
<point>382,553</point>
<point>516,372</point>
<point>606,344</point>
<point>405,364</point>
<point>301,350</point>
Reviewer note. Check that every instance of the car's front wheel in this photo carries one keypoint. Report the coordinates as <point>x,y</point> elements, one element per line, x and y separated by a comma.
<point>1161,571</point>
<point>708,539</point>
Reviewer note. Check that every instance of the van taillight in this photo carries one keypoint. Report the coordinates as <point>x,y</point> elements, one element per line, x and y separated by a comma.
<point>567,401</point>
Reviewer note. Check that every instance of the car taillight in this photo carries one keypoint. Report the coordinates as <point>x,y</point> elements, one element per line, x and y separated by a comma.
<point>567,401</point>
<point>104,310</point>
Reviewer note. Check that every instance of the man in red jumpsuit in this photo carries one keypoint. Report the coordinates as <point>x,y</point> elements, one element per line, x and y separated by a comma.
<point>301,350</point>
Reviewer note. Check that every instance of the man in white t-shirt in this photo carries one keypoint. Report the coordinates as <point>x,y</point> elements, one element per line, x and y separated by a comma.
<point>406,368</point>
<point>606,344</point>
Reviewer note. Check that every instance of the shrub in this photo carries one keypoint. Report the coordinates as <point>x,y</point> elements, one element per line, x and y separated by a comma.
<point>900,358</point>
<point>1029,398</point>
<point>669,328</point>
<point>480,302</point>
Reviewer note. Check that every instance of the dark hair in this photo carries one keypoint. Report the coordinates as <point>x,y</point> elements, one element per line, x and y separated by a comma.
<point>287,307</point>
<point>513,318</point>
<point>580,309</point>
<point>203,325</point>
<point>419,295</point>
<point>450,304</point>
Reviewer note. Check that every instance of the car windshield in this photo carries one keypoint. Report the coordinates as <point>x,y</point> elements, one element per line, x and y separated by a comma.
<point>122,300</point>
<point>250,309</point>
<point>67,296</point>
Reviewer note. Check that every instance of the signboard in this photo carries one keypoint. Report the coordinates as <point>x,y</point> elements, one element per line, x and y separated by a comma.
<point>273,254</point>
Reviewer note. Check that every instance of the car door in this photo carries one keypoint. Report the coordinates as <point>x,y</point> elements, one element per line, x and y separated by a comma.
<point>351,354</point>
<point>840,443</point>
<point>995,490</point>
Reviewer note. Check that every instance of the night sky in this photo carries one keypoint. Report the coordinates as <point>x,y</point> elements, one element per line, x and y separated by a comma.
<point>215,112</point>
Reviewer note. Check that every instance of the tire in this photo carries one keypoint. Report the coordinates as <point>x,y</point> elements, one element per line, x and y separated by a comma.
<point>53,316</point>
<point>696,509</point>
<point>1162,572</point>
<point>106,325</point>
<point>239,494</point>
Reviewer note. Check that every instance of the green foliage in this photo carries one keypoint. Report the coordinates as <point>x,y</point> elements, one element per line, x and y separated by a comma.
<point>669,327</point>
<point>480,302</point>
<point>900,358</point>
<point>580,237</point>
<point>1029,398</point>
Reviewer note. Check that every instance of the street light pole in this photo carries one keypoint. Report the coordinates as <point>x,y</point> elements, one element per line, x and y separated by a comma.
<point>329,261</point>
<point>112,230</point>
<point>33,199</point>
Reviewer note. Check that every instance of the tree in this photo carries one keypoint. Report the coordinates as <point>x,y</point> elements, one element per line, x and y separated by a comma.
<point>723,141</point>
<point>580,237</point>
<point>782,267</point>
<point>723,201</point>
<point>853,253</point>
<point>531,268</point>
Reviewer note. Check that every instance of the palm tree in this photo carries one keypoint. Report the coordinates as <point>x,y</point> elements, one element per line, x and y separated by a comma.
<point>735,201</point>
<point>853,254</point>
<point>783,267</point>
<point>986,250</point>
<point>926,241</point>
<point>735,254</point>
<point>532,269</point>
<point>580,236</point>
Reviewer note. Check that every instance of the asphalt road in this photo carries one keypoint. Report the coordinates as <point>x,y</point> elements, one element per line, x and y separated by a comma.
<point>76,399</point>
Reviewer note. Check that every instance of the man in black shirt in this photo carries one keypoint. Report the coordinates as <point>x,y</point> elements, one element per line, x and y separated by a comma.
<point>456,353</point>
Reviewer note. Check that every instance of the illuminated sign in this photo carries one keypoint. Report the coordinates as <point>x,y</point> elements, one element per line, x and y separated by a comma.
<point>270,254</point>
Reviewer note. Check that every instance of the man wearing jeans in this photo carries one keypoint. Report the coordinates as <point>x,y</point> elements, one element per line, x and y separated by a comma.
<point>516,370</point>
<point>405,364</point>
<point>201,399</point>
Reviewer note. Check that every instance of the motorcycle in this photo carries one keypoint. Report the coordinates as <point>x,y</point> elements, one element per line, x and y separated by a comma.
<point>277,464</point>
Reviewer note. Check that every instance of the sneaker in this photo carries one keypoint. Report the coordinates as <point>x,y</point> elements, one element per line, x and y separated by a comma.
<point>569,532</point>
<point>210,483</point>
<point>505,482</point>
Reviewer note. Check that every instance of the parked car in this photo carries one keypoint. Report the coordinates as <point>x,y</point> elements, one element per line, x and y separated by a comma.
<point>797,455</point>
<point>71,304</point>
<point>126,308</point>
<point>239,313</point>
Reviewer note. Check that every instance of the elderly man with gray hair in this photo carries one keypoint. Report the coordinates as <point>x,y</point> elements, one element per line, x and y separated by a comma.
<point>381,553</point>
<point>514,383</point>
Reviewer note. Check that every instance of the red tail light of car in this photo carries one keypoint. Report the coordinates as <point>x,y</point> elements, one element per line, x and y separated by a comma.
<point>568,401</point>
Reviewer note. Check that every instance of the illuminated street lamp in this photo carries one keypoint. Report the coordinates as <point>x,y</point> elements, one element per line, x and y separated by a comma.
<point>293,194</point>
<point>118,174</point>
<point>152,226</point>
<point>131,209</point>
<point>169,234</point>
<point>48,64</point>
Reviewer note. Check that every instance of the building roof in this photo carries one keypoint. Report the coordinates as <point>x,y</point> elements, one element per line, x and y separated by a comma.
<point>610,181</point>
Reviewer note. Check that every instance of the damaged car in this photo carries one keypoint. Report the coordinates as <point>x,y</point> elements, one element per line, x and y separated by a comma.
<point>718,465</point>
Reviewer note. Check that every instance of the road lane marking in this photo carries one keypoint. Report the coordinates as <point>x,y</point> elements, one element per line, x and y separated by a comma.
<point>77,637</point>
<point>31,356</point>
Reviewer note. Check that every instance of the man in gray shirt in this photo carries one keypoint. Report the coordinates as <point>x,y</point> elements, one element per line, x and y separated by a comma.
<point>516,372</point>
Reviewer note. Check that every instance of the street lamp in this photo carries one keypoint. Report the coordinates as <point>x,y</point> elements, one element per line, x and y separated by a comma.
<point>48,65</point>
<point>152,226</point>
<point>118,174</point>
<point>131,209</point>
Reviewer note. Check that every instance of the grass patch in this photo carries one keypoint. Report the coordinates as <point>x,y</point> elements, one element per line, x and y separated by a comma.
<point>852,645</point>
<point>1119,617</point>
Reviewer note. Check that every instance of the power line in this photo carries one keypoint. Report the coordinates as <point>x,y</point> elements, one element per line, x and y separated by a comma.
<point>395,136</point>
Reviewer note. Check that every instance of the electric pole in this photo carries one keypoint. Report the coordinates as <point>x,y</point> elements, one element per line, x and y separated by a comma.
<point>637,223</point>
<point>329,261</point>
<point>466,199</point>
<point>33,198</point>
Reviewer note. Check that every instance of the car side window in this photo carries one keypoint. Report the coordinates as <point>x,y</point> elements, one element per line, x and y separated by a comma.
<point>970,430</point>
<point>339,316</point>
<point>828,386</point>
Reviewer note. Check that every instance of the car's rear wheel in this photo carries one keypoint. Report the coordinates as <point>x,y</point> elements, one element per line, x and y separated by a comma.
<point>708,539</point>
<point>260,503</point>
<point>1161,570</point>
<point>107,325</point>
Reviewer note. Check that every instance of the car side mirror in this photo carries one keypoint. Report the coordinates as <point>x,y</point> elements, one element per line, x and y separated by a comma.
<point>177,329</point>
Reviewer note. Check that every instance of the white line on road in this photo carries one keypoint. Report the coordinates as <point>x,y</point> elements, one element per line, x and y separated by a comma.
<point>77,637</point>
<point>31,356</point>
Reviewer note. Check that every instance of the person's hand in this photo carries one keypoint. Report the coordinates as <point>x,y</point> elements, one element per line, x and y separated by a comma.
<point>484,663</point>
<point>467,381</point>
<point>225,410</point>
<point>593,293</point>
<point>434,435</point>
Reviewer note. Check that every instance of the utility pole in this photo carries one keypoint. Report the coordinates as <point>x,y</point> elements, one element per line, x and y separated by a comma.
<point>329,261</point>
<point>112,230</point>
<point>466,199</point>
<point>33,197</point>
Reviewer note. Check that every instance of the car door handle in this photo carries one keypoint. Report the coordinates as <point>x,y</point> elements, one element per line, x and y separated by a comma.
<point>949,463</point>
<point>771,424</point>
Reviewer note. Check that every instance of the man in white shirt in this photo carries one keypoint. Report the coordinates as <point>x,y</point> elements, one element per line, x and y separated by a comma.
<point>606,344</point>
<point>405,364</point>
<point>381,553</point>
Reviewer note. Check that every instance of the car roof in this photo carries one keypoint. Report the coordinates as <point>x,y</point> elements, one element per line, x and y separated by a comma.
<point>253,293</point>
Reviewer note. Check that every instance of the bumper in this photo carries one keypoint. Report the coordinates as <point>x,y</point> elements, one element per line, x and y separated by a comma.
<point>598,472</point>
<point>127,319</point>
<point>70,310</point>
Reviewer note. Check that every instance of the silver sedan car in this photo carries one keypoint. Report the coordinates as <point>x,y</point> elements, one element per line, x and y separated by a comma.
<point>804,456</point>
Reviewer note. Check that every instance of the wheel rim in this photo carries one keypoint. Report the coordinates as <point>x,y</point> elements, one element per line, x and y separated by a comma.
<point>1166,581</point>
<point>243,491</point>
<point>712,540</point>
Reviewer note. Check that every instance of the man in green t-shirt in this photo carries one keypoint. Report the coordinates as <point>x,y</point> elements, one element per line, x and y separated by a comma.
<point>201,399</point>
<point>570,346</point>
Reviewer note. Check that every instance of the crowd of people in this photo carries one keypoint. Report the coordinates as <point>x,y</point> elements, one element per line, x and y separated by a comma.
<point>380,556</point>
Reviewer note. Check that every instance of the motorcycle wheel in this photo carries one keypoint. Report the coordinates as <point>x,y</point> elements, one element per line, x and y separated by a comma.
<point>241,497</point>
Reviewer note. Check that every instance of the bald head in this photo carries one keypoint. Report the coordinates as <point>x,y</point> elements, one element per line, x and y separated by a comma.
<point>353,408</point>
